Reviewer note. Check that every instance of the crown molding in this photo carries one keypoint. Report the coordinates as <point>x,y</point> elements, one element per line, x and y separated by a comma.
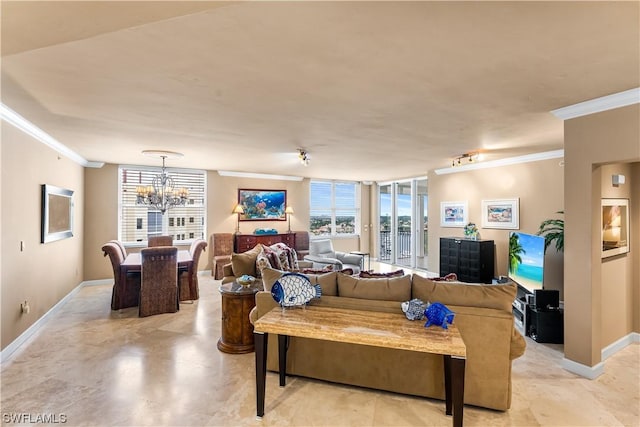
<point>15,119</point>
<point>604,103</point>
<point>260,176</point>
<point>556,154</point>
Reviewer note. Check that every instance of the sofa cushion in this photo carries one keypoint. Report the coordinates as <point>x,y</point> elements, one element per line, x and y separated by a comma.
<point>388,289</point>
<point>245,263</point>
<point>499,297</point>
<point>326,281</point>
<point>287,257</point>
<point>397,273</point>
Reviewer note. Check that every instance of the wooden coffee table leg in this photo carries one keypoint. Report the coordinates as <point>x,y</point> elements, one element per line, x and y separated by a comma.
<point>282,358</point>
<point>457,389</point>
<point>260,341</point>
<point>447,384</point>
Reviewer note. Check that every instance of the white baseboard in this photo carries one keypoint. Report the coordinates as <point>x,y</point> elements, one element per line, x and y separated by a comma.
<point>615,347</point>
<point>9,350</point>
<point>590,372</point>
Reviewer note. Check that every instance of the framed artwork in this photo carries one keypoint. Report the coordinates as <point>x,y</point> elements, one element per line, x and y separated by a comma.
<point>454,214</point>
<point>615,227</point>
<point>501,213</point>
<point>57,214</point>
<point>262,205</point>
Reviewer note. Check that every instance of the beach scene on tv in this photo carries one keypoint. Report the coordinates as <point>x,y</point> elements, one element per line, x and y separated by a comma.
<point>526,260</point>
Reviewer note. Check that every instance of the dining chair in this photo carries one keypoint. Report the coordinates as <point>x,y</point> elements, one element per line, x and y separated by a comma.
<point>189,289</point>
<point>125,294</point>
<point>121,246</point>
<point>160,241</point>
<point>159,286</point>
<point>302,244</point>
<point>222,244</point>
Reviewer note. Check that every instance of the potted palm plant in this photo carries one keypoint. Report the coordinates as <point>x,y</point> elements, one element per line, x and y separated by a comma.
<point>553,231</point>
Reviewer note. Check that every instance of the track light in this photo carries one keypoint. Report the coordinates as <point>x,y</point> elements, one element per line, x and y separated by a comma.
<point>468,157</point>
<point>303,156</point>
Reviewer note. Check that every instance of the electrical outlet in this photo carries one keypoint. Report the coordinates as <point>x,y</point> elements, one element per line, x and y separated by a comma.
<point>24,307</point>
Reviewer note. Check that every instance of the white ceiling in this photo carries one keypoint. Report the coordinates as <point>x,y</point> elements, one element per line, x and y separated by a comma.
<point>372,90</point>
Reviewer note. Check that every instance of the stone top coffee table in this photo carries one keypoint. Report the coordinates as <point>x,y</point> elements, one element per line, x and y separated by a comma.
<point>378,329</point>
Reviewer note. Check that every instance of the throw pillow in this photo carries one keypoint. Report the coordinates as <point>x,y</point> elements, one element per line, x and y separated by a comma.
<point>262,262</point>
<point>245,263</point>
<point>397,273</point>
<point>387,289</point>
<point>499,297</point>
<point>287,256</point>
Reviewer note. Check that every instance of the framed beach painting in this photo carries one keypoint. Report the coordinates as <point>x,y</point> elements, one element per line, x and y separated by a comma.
<point>454,214</point>
<point>615,227</point>
<point>262,205</point>
<point>501,213</point>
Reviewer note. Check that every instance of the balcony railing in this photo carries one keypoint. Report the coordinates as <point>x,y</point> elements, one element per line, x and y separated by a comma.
<point>403,245</point>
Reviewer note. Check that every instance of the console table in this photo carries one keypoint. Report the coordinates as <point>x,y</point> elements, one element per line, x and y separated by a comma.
<point>389,330</point>
<point>245,242</point>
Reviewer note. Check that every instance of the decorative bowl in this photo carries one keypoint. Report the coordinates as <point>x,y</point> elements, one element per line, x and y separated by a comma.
<point>245,280</point>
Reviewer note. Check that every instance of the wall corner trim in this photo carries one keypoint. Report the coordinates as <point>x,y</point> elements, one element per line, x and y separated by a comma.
<point>15,119</point>
<point>615,347</point>
<point>589,372</point>
<point>604,103</point>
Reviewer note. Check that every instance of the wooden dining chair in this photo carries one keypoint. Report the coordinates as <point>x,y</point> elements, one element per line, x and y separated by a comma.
<point>125,294</point>
<point>189,289</point>
<point>121,246</point>
<point>159,286</point>
<point>160,241</point>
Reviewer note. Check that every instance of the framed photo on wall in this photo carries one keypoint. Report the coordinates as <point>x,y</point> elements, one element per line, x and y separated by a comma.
<point>615,227</point>
<point>501,213</point>
<point>262,205</point>
<point>454,214</point>
<point>57,214</point>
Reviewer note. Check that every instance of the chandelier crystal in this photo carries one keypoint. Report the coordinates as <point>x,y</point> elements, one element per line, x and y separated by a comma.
<point>162,194</point>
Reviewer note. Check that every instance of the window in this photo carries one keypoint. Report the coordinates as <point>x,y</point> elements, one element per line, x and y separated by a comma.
<point>334,208</point>
<point>138,222</point>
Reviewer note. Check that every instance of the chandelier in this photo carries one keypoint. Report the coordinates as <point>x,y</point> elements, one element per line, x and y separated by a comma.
<point>162,194</point>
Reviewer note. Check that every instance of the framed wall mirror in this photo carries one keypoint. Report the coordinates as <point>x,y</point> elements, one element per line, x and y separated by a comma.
<point>57,213</point>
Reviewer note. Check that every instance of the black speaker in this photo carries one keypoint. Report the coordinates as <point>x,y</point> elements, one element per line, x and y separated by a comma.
<point>547,299</point>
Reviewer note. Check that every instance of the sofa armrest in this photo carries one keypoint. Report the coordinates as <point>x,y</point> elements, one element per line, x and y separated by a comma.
<point>324,261</point>
<point>227,270</point>
<point>518,345</point>
<point>350,258</point>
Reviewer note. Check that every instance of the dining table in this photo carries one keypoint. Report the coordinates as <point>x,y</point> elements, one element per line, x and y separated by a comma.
<point>133,264</point>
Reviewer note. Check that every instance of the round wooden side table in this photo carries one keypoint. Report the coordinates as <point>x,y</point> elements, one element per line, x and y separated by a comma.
<point>237,330</point>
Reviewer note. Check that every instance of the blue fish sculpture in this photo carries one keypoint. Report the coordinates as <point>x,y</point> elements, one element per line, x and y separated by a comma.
<point>414,309</point>
<point>294,289</point>
<point>438,314</point>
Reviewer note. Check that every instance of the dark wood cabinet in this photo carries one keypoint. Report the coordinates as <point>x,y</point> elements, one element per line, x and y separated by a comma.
<point>245,242</point>
<point>471,260</point>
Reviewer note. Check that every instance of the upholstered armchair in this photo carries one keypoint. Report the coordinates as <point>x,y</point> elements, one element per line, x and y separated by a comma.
<point>222,244</point>
<point>321,253</point>
<point>125,293</point>
<point>302,244</point>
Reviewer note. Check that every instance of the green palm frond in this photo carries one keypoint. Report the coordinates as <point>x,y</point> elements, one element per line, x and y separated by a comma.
<point>553,230</point>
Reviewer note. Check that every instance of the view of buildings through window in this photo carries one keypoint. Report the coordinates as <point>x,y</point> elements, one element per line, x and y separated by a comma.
<point>138,222</point>
<point>335,208</point>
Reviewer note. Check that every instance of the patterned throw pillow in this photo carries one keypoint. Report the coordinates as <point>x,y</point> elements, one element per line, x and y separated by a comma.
<point>262,262</point>
<point>287,256</point>
<point>272,257</point>
<point>397,273</point>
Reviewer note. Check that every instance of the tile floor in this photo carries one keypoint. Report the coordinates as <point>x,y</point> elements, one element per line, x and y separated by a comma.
<point>94,367</point>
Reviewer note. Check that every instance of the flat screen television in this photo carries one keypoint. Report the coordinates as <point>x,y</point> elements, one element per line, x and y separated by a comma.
<point>526,260</point>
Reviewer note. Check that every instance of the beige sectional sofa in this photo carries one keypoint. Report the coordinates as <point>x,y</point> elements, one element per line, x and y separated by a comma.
<point>482,314</point>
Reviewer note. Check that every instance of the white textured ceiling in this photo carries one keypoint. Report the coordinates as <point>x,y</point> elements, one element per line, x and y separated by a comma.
<point>372,90</point>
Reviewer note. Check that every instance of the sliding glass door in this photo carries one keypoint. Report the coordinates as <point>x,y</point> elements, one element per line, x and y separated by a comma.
<point>403,223</point>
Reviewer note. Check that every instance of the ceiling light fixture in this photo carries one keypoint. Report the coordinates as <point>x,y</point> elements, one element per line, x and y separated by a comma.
<point>466,157</point>
<point>303,156</point>
<point>162,193</point>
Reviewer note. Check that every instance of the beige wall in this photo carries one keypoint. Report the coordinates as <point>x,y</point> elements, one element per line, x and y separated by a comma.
<point>538,185</point>
<point>43,273</point>
<point>591,142</point>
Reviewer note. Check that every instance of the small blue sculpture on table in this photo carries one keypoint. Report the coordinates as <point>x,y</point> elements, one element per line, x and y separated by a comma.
<point>438,314</point>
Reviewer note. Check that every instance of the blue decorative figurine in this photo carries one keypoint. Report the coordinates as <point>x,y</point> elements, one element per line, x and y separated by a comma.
<point>294,289</point>
<point>438,314</point>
